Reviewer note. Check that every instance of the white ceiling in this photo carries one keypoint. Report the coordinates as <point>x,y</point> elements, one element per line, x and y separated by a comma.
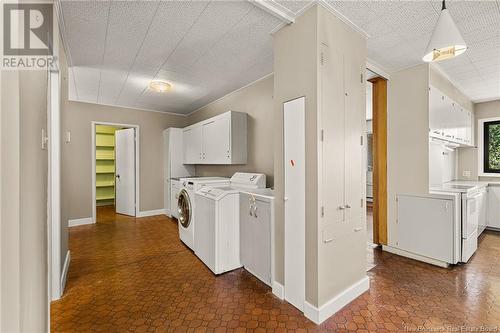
<point>205,49</point>
<point>208,49</point>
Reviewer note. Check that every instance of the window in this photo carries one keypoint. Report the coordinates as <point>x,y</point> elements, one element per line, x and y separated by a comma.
<point>491,147</point>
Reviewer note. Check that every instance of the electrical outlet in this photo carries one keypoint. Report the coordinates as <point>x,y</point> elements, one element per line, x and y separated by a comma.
<point>466,173</point>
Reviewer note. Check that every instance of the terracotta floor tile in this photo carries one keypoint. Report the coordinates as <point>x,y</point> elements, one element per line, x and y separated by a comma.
<point>134,275</point>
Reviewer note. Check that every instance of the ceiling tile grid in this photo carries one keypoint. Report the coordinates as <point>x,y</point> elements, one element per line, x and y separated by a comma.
<point>207,49</point>
<point>85,30</point>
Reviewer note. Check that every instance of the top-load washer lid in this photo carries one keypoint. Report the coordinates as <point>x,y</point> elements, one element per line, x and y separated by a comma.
<point>215,193</point>
<point>204,179</point>
<point>248,180</point>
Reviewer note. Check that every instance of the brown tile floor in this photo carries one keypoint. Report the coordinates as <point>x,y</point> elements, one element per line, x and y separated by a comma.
<point>134,275</point>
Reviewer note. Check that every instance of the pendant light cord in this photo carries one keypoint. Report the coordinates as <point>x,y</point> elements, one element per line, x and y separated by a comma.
<point>443,7</point>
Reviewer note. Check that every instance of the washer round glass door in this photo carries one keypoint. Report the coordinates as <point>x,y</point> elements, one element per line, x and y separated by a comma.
<point>184,209</point>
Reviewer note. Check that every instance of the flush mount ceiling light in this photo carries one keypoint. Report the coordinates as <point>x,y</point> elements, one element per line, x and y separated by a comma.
<point>446,41</point>
<point>160,86</point>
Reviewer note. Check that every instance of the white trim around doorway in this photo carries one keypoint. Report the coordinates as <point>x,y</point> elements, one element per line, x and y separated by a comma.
<point>137,153</point>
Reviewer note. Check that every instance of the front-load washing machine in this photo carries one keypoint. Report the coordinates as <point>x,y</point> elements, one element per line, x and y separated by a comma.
<point>186,204</point>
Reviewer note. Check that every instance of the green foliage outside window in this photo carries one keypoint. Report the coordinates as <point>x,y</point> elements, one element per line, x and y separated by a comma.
<point>492,156</point>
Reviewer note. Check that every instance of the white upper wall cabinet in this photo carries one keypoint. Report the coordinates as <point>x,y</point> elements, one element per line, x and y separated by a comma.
<point>218,140</point>
<point>448,120</point>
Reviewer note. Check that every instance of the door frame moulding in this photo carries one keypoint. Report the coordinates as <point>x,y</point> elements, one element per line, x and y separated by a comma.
<point>379,152</point>
<point>276,9</point>
<point>137,197</point>
<point>377,69</point>
<point>55,275</point>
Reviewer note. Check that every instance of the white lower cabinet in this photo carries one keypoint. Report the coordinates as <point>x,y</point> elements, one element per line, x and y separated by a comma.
<point>493,216</point>
<point>255,236</point>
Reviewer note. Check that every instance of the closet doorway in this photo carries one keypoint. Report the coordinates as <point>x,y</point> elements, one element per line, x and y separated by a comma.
<point>115,169</point>
<point>376,166</point>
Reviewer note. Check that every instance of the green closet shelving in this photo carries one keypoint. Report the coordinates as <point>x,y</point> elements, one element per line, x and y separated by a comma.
<point>105,164</point>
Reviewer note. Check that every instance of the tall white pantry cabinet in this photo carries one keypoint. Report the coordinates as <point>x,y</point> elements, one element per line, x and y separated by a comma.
<point>341,176</point>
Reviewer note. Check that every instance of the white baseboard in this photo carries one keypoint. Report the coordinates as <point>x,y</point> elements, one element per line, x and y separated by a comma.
<point>146,213</point>
<point>319,315</point>
<point>77,222</point>
<point>414,256</point>
<point>278,290</point>
<point>64,273</point>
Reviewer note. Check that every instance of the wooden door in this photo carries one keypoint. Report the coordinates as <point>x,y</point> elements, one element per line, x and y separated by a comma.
<point>379,160</point>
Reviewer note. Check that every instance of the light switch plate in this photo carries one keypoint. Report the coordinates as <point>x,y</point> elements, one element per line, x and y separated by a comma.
<point>68,137</point>
<point>45,139</point>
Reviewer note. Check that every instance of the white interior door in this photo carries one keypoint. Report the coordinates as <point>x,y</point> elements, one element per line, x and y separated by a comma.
<point>125,171</point>
<point>294,169</point>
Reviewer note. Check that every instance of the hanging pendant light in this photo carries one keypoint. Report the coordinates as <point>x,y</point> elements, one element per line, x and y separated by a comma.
<point>446,41</point>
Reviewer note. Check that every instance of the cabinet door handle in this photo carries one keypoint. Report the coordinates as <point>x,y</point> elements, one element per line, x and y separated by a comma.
<point>358,229</point>
<point>347,206</point>
<point>341,208</point>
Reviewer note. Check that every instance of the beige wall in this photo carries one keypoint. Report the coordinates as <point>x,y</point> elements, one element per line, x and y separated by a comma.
<point>296,75</point>
<point>407,139</point>
<point>468,158</point>
<point>77,155</point>
<point>33,204</point>
<point>24,202</point>
<point>10,269</point>
<point>257,101</point>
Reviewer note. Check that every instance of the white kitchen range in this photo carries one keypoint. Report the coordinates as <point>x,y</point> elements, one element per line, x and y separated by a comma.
<point>444,226</point>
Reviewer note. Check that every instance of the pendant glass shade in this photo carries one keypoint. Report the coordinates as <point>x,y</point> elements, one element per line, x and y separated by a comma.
<point>446,41</point>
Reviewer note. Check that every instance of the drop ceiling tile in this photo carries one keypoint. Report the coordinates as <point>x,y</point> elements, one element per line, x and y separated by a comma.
<point>216,47</point>
<point>216,20</point>
<point>87,83</point>
<point>357,11</point>
<point>126,32</point>
<point>171,23</point>
<point>111,82</point>
<point>240,47</point>
<point>377,28</point>
<point>85,29</point>
<point>410,14</point>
